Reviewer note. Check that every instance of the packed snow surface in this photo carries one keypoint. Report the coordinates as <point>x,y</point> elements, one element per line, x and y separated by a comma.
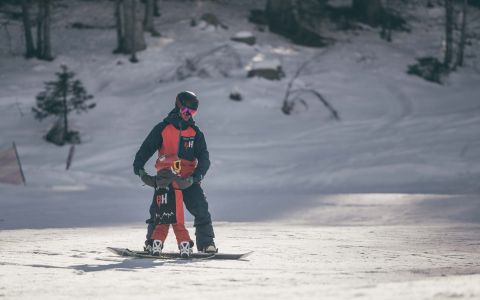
<point>383,204</point>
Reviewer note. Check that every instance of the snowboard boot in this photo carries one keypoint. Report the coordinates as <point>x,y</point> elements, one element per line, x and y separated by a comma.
<point>157,246</point>
<point>210,249</point>
<point>148,245</point>
<point>185,249</point>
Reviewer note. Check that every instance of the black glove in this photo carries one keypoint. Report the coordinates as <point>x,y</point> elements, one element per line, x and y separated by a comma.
<point>147,179</point>
<point>196,178</point>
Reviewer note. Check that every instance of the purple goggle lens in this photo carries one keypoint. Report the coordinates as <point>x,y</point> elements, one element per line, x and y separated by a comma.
<point>189,111</point>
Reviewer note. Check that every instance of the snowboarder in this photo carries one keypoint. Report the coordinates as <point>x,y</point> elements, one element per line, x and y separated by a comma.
<point>167,204</point>
<point>178,135</point>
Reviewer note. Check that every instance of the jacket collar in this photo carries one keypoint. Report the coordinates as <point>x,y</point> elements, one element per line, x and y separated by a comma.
<point>175,119</point>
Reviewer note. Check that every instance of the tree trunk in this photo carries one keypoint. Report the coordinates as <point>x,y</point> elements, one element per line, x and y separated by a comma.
<point>44,49</point>
<point>133,28</point>
<point>369,11</point>
<point>133,12</point>
<point>120,25</point>
<point>463,35</point>
<point>156,9</point>
<point>40,21</point>
<point>386,23</point>
<point>47,27</point>
<point>296,20</point>
<point>148,19</point>
<point>65,108</point>
<point>27,26</point>
<point>448,33</point>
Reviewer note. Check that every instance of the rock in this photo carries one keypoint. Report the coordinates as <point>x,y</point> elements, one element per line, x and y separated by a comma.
<point>212,20</point>
<point>268,69</point>
<point>235,95</point>
<point>245,37</point>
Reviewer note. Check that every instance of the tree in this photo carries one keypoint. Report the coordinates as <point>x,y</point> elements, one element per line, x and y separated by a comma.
<point>448,33</point>
<point>369,11</point>
<point>148,19</point>
<point>44,49</point>
<point>130,38</point>
<point>27,26</point>
<point>463,35</point>
<point>297,20</point>
<point>60,98</point>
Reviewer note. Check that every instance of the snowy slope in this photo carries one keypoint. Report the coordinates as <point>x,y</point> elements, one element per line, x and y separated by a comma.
<point>398,134</point>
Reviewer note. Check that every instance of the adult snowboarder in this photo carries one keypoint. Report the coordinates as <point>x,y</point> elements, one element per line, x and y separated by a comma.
<point>178,135</point>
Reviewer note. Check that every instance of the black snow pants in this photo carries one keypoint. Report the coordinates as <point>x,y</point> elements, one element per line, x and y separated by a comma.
<point>196,203</point>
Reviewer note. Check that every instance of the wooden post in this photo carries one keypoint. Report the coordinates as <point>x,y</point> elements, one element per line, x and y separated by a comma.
<point>70,156</point>
<point>19,164</point>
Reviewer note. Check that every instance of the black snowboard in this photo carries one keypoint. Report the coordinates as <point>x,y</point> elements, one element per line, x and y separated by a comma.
<point>175,255</point>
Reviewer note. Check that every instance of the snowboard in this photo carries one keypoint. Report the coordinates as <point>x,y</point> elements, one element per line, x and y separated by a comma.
<point>176,255</point>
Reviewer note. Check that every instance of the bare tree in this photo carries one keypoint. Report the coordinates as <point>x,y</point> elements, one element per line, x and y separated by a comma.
<point>369,11</point>
<point>463,35</point>
<point>133,14</point>
<point>130,38</point>
<point>298,20</point>
<point>292,92</point>
<point>156,9</point>
<point>448,33</point>
<point>148,24</point>
<point>27,26</point>
<point>119,22</point>
<point>386,23</point>
<point>44,49</point>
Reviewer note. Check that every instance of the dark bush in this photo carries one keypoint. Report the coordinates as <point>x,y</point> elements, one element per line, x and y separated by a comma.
<point>429,68</point>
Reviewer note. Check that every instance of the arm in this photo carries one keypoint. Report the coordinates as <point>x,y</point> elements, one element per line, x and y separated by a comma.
<point>151,144</point>
<point>202,155</point>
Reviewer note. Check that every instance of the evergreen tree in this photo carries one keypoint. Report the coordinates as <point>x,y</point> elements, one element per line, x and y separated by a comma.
<point>60,98</point>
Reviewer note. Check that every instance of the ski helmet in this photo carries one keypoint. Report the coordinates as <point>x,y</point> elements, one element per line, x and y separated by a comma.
<point>187,99</point>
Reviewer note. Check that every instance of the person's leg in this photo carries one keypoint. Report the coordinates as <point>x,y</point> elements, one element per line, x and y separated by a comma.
<point>150,223</point>
<point>181,234</point>
<point>160,232</point>
<point>196,203</point>
<point>158,238</point>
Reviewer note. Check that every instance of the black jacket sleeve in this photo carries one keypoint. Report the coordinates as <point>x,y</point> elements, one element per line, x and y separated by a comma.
<point>151,144</point>
<point>202,155</point>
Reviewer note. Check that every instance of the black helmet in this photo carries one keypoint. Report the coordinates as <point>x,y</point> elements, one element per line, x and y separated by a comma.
<point>187,99</point>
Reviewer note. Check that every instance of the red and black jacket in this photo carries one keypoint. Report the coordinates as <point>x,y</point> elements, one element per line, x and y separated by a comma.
<point>175,134</point>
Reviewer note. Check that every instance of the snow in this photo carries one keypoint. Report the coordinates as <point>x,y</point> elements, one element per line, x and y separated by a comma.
<point>383,204</point>
<point>243,34</point>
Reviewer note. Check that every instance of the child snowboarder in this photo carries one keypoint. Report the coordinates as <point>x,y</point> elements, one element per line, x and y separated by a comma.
<point>178,135</point>
<point>172,174</point>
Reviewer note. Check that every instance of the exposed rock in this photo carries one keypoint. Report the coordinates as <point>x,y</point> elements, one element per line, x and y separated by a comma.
<point>245,37</point>
<point>210,19</point>
<point>297,20</point>
<point>235,95</point>
<point>268,69</point>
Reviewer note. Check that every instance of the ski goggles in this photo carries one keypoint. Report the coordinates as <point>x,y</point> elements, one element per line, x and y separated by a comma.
<point>188,111</point>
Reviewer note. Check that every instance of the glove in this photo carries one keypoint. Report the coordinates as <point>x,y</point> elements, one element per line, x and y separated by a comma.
<point>141,173</point>
<point>147,179</point>
<point>184,183</point>
<point>196,178</point>
<point>164,178</point>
